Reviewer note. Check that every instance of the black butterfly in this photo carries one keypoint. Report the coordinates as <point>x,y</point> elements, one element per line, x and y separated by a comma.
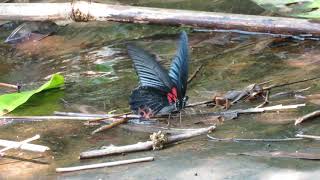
<point>159,91</point>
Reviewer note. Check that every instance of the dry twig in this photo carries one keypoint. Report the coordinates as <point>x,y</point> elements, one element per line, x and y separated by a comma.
<point>109,126</point>
<point>194,74</point>
<point>309,116</point>
<point>107,164</point>
<point>308,136</point>
<point>141,146</point>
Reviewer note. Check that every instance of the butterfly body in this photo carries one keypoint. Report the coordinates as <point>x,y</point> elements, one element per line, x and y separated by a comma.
<point>159,91</point>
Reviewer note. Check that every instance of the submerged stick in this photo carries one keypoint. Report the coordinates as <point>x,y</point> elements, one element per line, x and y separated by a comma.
<point>308,136</point>
<point>290,83</point>
<point>107,164</point>
<point>253,140</point>
<point>194,74</point>
<point>309,116</point>
<point>282,154</point>
<point>82,11</point>
<point>141,146</point>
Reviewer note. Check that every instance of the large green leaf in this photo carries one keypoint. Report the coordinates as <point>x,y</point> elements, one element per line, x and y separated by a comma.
<point>8,102</point>
<point>296,8</point>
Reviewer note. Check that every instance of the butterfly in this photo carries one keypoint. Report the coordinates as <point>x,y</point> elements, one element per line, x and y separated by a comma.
<point>160,91</point>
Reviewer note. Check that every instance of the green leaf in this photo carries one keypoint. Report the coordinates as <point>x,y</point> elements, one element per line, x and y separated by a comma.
<point>295,8</point>
<point>9,102</point>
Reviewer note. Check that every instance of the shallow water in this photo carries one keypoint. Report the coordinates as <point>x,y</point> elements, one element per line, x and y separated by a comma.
<point>100,77</point>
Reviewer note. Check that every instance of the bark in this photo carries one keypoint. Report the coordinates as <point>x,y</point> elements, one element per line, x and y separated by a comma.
<point>87,11</point>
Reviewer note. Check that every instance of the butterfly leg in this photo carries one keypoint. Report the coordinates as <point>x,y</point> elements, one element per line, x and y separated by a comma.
<point>168,121</point>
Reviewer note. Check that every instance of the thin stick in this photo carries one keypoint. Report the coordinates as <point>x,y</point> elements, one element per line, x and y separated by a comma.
<point>266,100</point>
<point>19,144</point>
<point>107,164</point>
<point>309,116</point>
<point>124,115</point>
<point>257,110</point>
<point>308,136</point>
<point>282,154</point>
<point>40,118</point>
<point>198,104</point>
<point>289,93</point>
<point>26,146</point>
<point>194,74</point>
<point>19,159</point>
<point>10,86</point>
<point>290,83</point>
<point>254,140</point>
<point>142,146</point>
<point>109,126</point>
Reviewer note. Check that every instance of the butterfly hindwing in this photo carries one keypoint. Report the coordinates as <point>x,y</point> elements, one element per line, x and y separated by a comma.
<point>149,70</point>
<point>179,67</point>
<point>148,98</point>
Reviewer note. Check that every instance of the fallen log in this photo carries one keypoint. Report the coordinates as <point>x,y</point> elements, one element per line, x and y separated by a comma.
<point>140,146</point>
<point>309,116</point>
<point>107,164</point>
<point>81,11</point>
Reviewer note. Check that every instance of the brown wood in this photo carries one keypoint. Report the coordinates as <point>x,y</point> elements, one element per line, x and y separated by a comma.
<point>109,126</point>
<point>86,11</point>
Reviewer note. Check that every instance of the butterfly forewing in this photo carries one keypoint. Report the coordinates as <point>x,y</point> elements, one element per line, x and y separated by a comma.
<point>150,72</point>
<point>179,67</point>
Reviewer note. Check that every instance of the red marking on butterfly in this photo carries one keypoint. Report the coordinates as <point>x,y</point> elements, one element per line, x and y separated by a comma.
<point>145,112</point>
<point>172,96</point>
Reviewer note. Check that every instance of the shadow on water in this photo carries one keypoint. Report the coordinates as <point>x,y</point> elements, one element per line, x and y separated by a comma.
<point>100,77</point>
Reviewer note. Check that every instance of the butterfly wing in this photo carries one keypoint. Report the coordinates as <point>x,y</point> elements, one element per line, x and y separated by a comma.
<point>148,101</point>
<point>179,67</point>
<point>150,72</point>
